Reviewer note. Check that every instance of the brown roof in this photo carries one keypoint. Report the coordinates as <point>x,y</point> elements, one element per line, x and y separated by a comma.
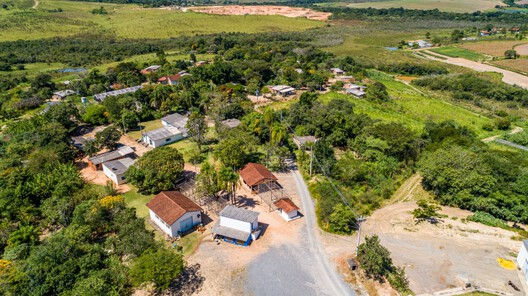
<point>171,206</point>
<point>254,173</point>
<point>286,205</point>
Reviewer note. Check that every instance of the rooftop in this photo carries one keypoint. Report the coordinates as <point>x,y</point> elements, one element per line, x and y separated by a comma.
<point>111,155</point>
<point>254,173</point>
<point>163,133</point>
<point>171,206</point>
<point>282,88</point>
<point>239,214</point>
<point>64,93</point>
<point>176,120</point>
<point>102,96</point>
<point>119,166</point>
<point>231,123</point>
<point>286,205</point>
<point>230,232</point>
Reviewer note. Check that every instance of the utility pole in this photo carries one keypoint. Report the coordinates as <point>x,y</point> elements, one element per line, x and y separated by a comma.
<point>359,220</point>
<point>311,159</point>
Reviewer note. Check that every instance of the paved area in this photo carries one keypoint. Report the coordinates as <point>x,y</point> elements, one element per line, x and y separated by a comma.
<point>508,76</point>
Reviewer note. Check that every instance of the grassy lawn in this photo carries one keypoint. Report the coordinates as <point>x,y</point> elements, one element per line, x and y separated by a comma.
<point>457,52</point>
<point>146,126</point>
<point>138,201</point>
<point>190,242</point>
<point>186,147</point>
<point>443,5</point>
<point>132,21</point>
<point>414,109</point>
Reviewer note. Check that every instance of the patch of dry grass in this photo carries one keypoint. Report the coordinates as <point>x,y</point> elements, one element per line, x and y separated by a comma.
<point>492,48</point>
<point>517,64</point>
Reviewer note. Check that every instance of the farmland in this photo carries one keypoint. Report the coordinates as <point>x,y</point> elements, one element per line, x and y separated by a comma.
<point>517,64</point>
<point>492,48</point>
<point>457,52</point>
<point>131,21</point>
<point>443,5</point>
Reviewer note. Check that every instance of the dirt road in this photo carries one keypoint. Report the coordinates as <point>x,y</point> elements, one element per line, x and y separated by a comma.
<point>508,76</point>
<point>331,282</point>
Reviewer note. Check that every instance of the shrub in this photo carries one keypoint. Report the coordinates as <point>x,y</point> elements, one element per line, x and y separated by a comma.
<point>487,219</point>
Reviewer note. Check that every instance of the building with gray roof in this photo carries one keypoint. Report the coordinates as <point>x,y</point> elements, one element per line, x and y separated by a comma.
<point>115,170</point>
<point>96,161</point>
<point>164,136</point>
<point>236,225</point>
<point>100,97</point>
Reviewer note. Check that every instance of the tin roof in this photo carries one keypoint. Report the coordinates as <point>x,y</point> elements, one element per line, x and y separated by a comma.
<point>163,133</point>
<point>176,120</point>
<point>119,166</point>
<point>111,155</point>
<point>239,214</point>
<point>230,232</point>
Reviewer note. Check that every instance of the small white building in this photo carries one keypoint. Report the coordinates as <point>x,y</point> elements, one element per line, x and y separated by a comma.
<point>337,71</point>
<point>174,213</point>
<point>163,136</point>
<point>283,90</point>
<point>287,209</point>
<point>236,225</point>
<point>355,90</point>
<point>62,94</point>
<point>419,43</point>
<point>115,170</point>
<point>175,120</point>
<point>522,259</point>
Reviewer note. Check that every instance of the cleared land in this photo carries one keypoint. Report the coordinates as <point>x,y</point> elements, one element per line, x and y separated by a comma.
<point>443,5</point>
<point>508,76</point>
<point>492,48</point>
<point>131,21</point>
<point>522,49</point>
<point>517,64</point>
<point>263,10</point>
<point>457,52</point>
<point>448,254</point>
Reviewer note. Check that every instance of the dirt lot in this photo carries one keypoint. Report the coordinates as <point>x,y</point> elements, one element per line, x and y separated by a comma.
<point>522,49</point>
<point>517,64</point>
<point>263,10</point>
<point>438,257</point>
<point>492,48</point>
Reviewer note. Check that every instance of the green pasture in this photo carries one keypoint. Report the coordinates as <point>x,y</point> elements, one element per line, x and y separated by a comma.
<point>457,52</point>
<point>413,109</point>
<point>132,21</point>
<point>443,5</point>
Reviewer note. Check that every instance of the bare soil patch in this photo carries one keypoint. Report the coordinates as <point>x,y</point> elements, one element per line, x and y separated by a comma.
<point>446,255</point>
<point>492,48</point>
<point>263,10</point>
<point>522,49</point>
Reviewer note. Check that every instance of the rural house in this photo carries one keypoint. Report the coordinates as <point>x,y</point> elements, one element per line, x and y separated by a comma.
<point>287,209</point>
<point>174,213</point>
<point>258,178</point>
<point>355,90</point>
<point>173,130</point>
<point>100,97</point>
<point>337,71</point>
<point>175,120</point>
<point>231,123</point>
<point>283,90</point>
<point>96,162</point>
<point>522,259</point>
<point>419,43</point>
<point>163,136</point>
<point>150,69</point>
<point>237,226</point>
<point>62,94</point>
<point>115,170</point>
<point>172,79</point>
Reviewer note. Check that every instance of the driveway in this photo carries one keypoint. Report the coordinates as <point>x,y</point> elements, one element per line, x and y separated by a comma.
<point>507,76</point>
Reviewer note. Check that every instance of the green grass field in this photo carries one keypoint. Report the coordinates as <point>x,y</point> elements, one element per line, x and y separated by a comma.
<point>132,21</point>
<point>457,52</point>
<point>414,109</point>
<point>443,5</point>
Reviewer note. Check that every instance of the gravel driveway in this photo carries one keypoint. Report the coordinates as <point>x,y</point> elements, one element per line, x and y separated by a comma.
<point>297,269</point>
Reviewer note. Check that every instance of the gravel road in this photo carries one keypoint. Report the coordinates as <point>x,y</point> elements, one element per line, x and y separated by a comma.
<point>297,269</point>
<point>508,76</point>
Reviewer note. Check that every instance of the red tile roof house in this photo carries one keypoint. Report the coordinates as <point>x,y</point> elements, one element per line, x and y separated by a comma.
<point>174,213</point>
<point>258,178</point>
<point>287,209</point>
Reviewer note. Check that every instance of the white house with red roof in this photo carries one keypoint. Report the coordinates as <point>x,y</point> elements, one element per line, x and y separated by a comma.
<point>287,209</point>
<point>174,213</point>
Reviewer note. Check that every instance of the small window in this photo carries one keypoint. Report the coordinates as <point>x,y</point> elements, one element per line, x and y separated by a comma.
<point>123,178</point>
<point>167,140</point>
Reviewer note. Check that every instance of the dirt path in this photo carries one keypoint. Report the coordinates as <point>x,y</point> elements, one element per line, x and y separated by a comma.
<point>508,76</point>
<point>516,129</point>
<point>37,2</point>
<point>405,192</point>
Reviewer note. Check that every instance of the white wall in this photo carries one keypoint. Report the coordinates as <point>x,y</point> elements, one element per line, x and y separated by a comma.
<point>236,224</point>
<point>522,261</point>
<point>195,219</point>
<point>162,142</point>
<point>117,179</point>
<point>288,216</point>
<point>159,223</point>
